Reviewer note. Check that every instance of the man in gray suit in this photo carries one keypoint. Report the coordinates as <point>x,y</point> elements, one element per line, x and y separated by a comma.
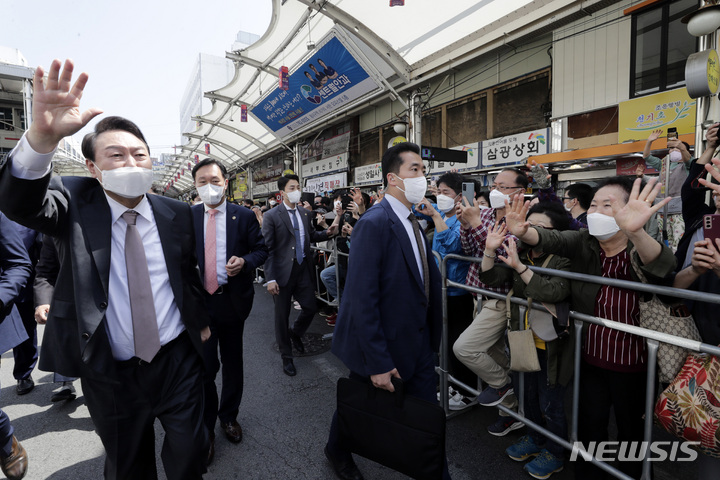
<point>288,270</point>
<point>15,269</point>
<point>127,313</point>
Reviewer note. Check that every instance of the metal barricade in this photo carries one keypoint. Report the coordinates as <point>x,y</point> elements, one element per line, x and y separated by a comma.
<point>334,254</point>
<point>652,337</point>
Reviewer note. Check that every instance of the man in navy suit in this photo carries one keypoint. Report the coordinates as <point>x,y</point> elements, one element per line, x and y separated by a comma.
<point>15,270</point>
<point>288,270</point>
<point>390,318</point>
<point>227,263</point>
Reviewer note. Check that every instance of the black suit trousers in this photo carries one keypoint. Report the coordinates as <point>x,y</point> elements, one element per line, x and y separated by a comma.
<point>169,389</point>
<point>226,328</point>
<point>300,286</point>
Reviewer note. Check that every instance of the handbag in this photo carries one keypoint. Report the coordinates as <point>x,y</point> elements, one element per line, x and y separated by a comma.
<point>671,319</point>
<point>396,430</point>
<point>689,407</point>
<point>523,353</point>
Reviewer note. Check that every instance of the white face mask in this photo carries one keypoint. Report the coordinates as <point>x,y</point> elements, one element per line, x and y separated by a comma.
<point>602,226</point>
<point>483,207</point>
<point>128,182</point>
<point>273,203</point>
<point>211,194</point>
<point>675,156</point>
<point>415,188</point>
<point>337,204</point>
<point>294,196</point>
<point>497,199</point>
<point>567,207</point>
<point>445,203</point>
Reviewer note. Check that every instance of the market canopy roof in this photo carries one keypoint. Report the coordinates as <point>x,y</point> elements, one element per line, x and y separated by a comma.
<point>404,47</point>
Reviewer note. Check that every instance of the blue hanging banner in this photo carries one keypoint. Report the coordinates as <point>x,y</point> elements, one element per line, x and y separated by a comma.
<point>330,79</point>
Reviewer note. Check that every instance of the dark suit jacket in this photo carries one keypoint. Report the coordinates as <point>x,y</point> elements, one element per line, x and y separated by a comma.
<point>75,211</point>
<point>243,240</point>
<point>15,268</point>
<point>384,314</point>
<point>280,240</point>
<point>46,272</point>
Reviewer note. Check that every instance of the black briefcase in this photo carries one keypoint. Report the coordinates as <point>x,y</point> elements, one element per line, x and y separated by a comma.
<point>393,429</point>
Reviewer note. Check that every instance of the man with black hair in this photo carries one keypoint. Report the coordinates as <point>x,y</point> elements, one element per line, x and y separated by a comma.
<point>229,248</point>
<point>577,201</point>
<point>288,270</point>
<point>127,315</point>
<point>390,318</point>
<point>481,347</point>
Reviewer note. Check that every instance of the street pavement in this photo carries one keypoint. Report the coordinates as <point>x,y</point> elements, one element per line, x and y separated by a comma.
<point>285,421</point>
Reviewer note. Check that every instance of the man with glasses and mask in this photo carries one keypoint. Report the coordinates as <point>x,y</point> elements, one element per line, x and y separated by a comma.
<point>481,347</point>
<point>127,315</point>
<point>460,303</point>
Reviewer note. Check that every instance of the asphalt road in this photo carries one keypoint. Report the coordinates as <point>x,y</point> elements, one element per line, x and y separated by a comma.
<point>285,421</point>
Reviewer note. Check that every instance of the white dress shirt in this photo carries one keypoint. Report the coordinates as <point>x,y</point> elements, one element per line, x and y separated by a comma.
<point>220,240</point>
<point>403,212</point>
<point>29,165</point>
<point>301,226</point>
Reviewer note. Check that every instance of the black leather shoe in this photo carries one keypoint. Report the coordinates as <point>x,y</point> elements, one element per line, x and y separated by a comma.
<point>233,431</point>
<point>345,470</point>
<point>297,342</point>
<point>24,385</point>
<point>289,367</point>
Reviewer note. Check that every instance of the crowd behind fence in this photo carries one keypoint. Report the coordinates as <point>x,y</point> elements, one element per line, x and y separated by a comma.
<point>653,339</point>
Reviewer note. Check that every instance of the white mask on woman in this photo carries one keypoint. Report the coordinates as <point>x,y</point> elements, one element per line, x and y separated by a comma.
<point>602,226</point>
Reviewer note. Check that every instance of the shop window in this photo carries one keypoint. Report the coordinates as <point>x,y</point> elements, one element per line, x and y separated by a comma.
<point>660,47</point>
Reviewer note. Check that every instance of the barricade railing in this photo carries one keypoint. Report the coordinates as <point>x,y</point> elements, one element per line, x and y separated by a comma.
<point>653,339</point>
<point>335,254</point>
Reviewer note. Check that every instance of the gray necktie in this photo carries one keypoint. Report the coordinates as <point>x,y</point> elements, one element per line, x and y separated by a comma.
<point>142,306</point>
<point>420,239</point>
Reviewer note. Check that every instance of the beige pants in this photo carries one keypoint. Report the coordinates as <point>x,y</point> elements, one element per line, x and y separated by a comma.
<point>481,347</point>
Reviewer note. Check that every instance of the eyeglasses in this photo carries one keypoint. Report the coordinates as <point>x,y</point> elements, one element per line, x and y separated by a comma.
<point>568,198</point>
<point>503,188</point>
<point>542,226</point>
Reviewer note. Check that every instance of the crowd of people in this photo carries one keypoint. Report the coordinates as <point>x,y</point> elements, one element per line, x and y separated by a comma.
<point>145,298</point>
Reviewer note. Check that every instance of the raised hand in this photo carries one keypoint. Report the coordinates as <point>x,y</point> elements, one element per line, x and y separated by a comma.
<point>516,214</point>
<point>495,237</point>
<point>56,107</point>
<point>633,216</point>
<point>512,259</point>
<point>713,171</point>
<point>655,134</point>
<point>706,256</point>
<point>469,215</point>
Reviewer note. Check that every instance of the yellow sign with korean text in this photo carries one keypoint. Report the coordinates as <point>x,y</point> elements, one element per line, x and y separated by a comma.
<point>640,116</point>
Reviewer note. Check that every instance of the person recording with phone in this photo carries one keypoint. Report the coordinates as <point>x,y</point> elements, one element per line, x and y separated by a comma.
<point>460,305</point>
<point>678,162</point>
<point>698,254</point>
